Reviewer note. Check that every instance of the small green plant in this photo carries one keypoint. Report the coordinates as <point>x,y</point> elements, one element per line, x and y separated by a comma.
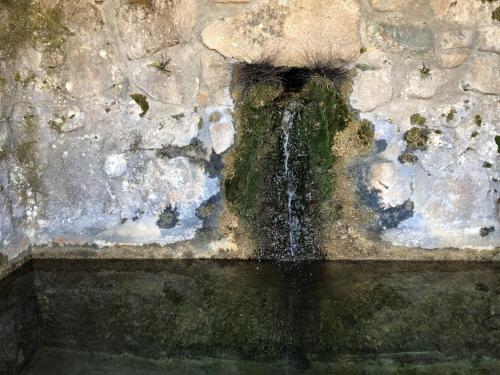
<point>417,138</point>
<point>365,132</point>
<point>161,65</point>
<point>142,3</point>
<point>141,100</point>
<point>408,157</point>
<point>487,164</point>
<point>451,115</point>
<point>418,119</point>
<point>425,71</point>
<point>478,120</point>
<point>474,134</point>
<point>496,14</point>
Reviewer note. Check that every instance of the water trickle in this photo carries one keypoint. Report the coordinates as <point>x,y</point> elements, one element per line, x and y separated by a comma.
<point>293,221</point>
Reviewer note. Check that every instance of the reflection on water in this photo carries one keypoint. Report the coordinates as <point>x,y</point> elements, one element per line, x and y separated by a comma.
<point>232,317</point>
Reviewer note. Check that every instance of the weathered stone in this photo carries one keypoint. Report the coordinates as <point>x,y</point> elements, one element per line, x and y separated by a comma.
<point>90,69</point>
<point>483,74</point>
<point>115,165</point>
<point>396,5</point>
<point>229,1</point>
<point>452,58</point>
<point>397,37</point>
<point>392,181</point>
<point>82,16</point>
<point>146,29</point>
<point>489,39</point>
<point>373,76</point>
<point>222,135</point>
<point>424,87</point>
<point>157,184</point>
<point>327,28</point>
<point>466,12</point>
<point>455,39</point>
<point>159,85</point>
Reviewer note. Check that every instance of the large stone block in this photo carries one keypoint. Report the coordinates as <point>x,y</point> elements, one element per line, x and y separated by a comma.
<point>290,30</point>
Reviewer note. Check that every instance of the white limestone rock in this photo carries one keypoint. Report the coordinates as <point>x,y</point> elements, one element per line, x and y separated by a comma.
<point>115,165</point>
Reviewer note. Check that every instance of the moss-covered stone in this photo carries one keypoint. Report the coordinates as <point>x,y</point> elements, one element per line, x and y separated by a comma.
<point>258,186</point>
<point>28,23</point>
<point>417,119</point>
<point>168,218</point>
<point>417,138</point>
<point>142,101</point>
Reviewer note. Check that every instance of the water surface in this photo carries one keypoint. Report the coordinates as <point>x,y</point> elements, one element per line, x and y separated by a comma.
<point>236,317</point>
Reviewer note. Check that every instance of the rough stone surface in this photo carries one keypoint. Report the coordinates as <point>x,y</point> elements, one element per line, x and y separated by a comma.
<point>424,87</point>
<point>467,13</point>
<point>483,74</point>
<point>115,165</point>
<point>489,39</point>
<point>326,27</point>
<point>402,36</point>
<point>82,162</point>
<point>395,5</point>
<point>373,75</point>
<point>452,58</point>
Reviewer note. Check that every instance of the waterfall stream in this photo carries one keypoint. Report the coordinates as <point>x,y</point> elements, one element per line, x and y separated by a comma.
<point>292,219</point>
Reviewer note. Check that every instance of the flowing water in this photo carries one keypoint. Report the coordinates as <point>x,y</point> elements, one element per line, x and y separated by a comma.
<point>240,317</point>
<point>293,221</point>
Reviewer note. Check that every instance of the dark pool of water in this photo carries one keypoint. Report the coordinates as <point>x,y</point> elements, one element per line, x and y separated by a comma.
<point>232,317</point>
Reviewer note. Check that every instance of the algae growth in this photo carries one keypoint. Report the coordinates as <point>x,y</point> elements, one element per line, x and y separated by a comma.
<point>27,23</point>
<point>258,188</point>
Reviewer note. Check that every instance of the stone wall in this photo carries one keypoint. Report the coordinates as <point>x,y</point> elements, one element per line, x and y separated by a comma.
<point>116,122</point>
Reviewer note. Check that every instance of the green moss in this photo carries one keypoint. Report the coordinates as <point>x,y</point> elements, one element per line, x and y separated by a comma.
<point>17,77</point>
<point>141,100</point>
<point>3,82</point>
<point>497,141</point>
<point>496,14</point>
<point>366,132</point>
<point>168,218</point>
<point>214,116</point>
<point>258,187</point>
<point>417,138</point>
<point>143,3</point>
<point>408,157</point>
<point>417,119</point>
<point>28,23</point>
<point>487,164</point>
<point>58,123</point>
<point>3,152</point>
<point>474,134</point>
<point>451,115</point>
<point>478,120</point>
<point>362,50</point>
